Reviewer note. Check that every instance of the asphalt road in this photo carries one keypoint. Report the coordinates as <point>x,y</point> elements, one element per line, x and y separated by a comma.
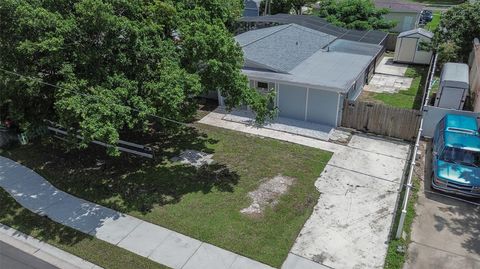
<point>13,258</point>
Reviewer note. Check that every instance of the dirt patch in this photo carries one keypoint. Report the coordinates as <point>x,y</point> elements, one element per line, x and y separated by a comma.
<point>194,158</point>
<point>267,194</point>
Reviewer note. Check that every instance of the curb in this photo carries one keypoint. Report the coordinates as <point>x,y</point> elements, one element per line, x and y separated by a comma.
<point>42,250</point>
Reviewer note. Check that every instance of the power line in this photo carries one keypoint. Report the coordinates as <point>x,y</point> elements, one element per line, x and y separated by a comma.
<point>39,80</point>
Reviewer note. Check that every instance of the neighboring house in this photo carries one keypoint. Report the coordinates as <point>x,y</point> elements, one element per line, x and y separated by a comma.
<point>407,15</point>
<point>312,72</point>
<point>474,64</point>
<point>413,47</point>
<point>252,8</point>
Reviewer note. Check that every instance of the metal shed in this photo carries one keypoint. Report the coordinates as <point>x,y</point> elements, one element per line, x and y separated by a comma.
<point>252,8</point>
<point>454,86</point>
<point>412,47</point>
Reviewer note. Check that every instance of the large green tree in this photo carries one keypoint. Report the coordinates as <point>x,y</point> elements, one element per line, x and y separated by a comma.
<point>284,6</point>
<point>458,27</point>
<point>103,66</point>
<point>354,14</point>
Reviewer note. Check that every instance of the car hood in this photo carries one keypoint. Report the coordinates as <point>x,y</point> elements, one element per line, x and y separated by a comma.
<point>458,173</point>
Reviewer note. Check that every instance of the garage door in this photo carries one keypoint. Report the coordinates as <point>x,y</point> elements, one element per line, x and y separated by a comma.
<point>291,101</point>
<point>322,107</point>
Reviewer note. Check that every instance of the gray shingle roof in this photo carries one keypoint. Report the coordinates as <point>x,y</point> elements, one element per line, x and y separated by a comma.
<point>295,54</point>
<point>282,48</point>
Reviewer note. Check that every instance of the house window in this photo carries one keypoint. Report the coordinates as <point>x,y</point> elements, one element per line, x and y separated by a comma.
<point>262,85</point>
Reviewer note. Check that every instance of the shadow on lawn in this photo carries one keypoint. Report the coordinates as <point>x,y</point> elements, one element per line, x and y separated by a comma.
<point>129,183</point>
<point>13,215</point>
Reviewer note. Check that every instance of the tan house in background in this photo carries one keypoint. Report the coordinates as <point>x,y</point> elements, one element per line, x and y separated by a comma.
<point>474,63</point>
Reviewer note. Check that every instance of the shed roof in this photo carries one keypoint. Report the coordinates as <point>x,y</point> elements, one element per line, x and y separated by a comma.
<point>320,24</point>
<point>457,72</point>
<point>419,31</point>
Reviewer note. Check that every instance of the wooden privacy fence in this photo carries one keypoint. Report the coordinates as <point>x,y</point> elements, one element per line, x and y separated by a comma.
<point>382,120</point>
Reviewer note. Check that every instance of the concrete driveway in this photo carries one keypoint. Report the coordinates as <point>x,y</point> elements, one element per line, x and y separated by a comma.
<point>446,230</point>
<point>352,220</point>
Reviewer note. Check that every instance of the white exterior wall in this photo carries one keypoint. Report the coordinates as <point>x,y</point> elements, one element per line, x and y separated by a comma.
<point>406,50</point>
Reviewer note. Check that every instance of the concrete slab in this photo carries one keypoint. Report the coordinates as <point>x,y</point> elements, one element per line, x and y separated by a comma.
<point>215,118</point>
<point>388,83</point>
<point>373,164</point>
<point>351,222</point>
<point>245,263</point>
<point>434,257</point>
<point>89,217</point>
<point>297,127</point>
<point>212,257</point>
<point>113,230</point>
<point>296,262</point>
<point>175,250</point>
<point>144,239</point>
<point>64,210</point>
<point>387,66</point>
<point>380,145</point>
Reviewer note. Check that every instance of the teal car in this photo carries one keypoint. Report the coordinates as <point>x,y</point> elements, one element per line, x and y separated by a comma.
<point>456,156</point>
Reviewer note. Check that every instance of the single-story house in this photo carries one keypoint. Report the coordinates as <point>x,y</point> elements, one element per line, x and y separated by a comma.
<point>406,14</point>
<point>413,47</point>
<point>474,63</point>
<point>311,72</point>
<point>251,8</point>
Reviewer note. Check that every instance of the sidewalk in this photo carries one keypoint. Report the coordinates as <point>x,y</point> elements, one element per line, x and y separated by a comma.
<point>145,239</point>
<point>18,250</point>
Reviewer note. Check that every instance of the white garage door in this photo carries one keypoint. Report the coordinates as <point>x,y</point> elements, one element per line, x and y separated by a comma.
<point>291,101</point>
<point>322,107</point>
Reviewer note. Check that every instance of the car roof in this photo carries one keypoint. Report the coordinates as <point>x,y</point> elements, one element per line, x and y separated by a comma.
<point>462,132</point>
<point>461,123</point>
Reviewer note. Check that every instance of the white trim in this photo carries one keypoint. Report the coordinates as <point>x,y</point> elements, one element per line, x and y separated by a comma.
<point>306,104</point>
<point>338,110</point>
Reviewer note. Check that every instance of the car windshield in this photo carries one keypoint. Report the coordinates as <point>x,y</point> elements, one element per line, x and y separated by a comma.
<point>461,156</point>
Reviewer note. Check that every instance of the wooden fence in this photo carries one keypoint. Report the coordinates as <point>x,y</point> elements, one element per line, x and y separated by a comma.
<point>382,120</point>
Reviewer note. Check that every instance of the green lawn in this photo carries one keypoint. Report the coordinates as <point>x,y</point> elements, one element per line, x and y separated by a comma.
<point>204,203</point>
<point>431,26</point>
<point>77,243</point>
<point>411,98</point>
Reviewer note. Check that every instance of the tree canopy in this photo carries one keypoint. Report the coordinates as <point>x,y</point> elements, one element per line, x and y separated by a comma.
<point>103,66</point>
<point>354,14</point>
<point>285,6</point>
<point>458,27</point>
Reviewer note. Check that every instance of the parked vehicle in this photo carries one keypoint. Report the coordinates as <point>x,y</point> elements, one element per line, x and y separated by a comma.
<point>426,15</point>
<point>456,156</point>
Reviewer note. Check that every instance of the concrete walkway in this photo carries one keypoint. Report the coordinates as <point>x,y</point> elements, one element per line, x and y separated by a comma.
<point>21,251</point>
<point>145,239</point>
<point>350,225</point>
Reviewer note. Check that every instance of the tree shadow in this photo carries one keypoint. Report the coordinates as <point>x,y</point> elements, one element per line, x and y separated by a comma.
<point>14,215</point>
<point>129,183</point>
<point>459,215</point>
